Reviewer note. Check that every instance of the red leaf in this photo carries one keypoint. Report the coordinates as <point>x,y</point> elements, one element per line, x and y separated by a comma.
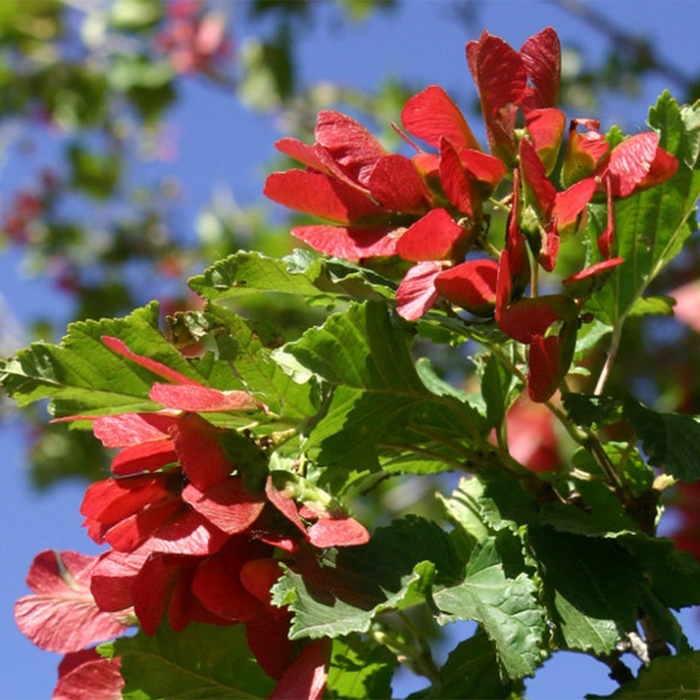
<point>228,505</point>
<point>146,457</point>
<point>118,346</point>
<point>189,533</point>
<point>431,115</point>
<point>638,162</point>
<point>131,428</point>
<point>471,285</point>
<point>330,531</point>
<point>306,677</point>
<point>112,500</point>
<point>541,55</point>
<point>196,398</point>
<point>268,639</point>
<point>320,195</point>
<point>584,283</point>
<point>284,504</point>
<point>486,169</point>
<point>349,144</point>
<point>528,318</point>
<point>113,577</point>
<point>501,79</point>
<point>546,129</point>
<point>308,155</point>
<point>545,370</point>
<point>200,452</point>
<point>62,615</point>
<point>571,203</point>
<point>458,184</point>
<point>352,243</point>
<point>259,576</point>
<point>395,183</point>
<point>433,237</point>
<point>584,152</point>
<point>539,191</point>
<point>85,675</point>
<point>217,582</point>
<point>416,293</point>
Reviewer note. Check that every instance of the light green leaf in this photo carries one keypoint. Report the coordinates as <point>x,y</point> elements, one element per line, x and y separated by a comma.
<point>651,226</point>
<point>506,607</point>
<point>380,411</point>
<point>301,273</point>
<point>359,669</point>
<point>82,375</point>
<point>249,348</point>
<point>201,661</point>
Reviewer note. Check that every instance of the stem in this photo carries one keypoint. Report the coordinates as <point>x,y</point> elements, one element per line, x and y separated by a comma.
<point>612,353</point>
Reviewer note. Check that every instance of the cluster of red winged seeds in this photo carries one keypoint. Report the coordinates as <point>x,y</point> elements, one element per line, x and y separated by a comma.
<point>193,537</point>
<point>429,209</point>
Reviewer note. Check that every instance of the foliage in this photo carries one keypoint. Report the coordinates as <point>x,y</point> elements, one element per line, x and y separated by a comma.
<point>460,311</point>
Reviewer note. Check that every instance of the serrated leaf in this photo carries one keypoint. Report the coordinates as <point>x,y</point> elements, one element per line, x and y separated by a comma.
<point>651,226</point>
<point>594,586</point>
<point>359,669</point>
<point>246,348</point>
<point>670,440</point>
<point>380,407</point>
<point>82,375</point>
<point>471,671</point>
<point>201,661</point>
<point>672,575</point>
<point>393,571</point>
<point>300,274</point>
<point>507,609</point>
<point>667,678</point>
<point>588,410</point>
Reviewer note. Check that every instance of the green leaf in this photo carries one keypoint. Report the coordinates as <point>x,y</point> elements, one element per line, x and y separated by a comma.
<point>359,669</point>
<point>673,576</point>
<point>249,348</point>
<point>507,609</point>
<point>471,671</point>
<point>300,273</point>
<point>82,375</point>
<point>201,661</point>
<point>497,500</point>
<point>496,386</point>
<point>651,226</point>
<point>670,440</point>
<point>380,409</point>
<point>344,591</point>
<point>667,678</point>
<point>593,586</point>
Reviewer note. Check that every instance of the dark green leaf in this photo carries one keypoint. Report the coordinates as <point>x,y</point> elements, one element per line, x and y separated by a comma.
<point>668,678</point>
<point>593,586</point>
<point>344,591</point>
<point>201,661</point>
<point>670,440</point>
<point>471,671</point>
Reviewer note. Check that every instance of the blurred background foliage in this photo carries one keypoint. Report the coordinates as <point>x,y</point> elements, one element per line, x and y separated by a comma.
<point>96,84</point>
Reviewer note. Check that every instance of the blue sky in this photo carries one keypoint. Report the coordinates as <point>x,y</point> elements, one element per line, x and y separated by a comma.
<point>221,143</point>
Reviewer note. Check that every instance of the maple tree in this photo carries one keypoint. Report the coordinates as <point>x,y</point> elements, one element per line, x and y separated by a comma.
<point>239,516</point>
